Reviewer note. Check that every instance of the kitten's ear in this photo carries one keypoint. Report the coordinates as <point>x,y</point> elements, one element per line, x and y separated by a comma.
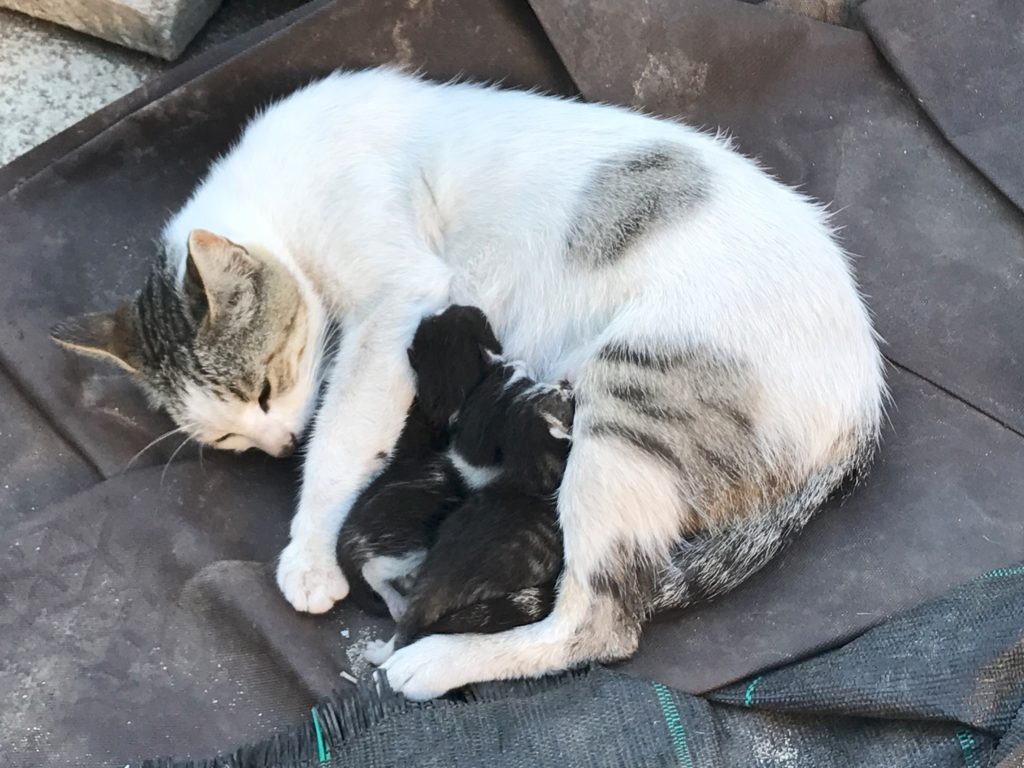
<point>451,354</point>
<point>216,271</point>
<point>104,335</point>
<point>485,338</point>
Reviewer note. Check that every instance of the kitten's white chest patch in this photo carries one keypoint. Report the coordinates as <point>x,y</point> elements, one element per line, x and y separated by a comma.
<point>475,477</point>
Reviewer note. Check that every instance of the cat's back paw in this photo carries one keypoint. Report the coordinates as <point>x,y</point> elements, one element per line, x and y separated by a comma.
<point>309,579</point>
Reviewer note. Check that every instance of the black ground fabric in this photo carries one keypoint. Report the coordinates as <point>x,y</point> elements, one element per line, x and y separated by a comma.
<point>138,611</point>
<point>963,63</point>
<point>941,685</point>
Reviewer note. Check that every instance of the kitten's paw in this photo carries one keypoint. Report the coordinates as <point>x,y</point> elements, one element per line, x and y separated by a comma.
<point>426,669</point>
<point>309,578</point>
<point>378,651</point>
<point>557,406</point>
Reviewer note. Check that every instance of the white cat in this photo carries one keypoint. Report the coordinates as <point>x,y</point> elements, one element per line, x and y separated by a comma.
<point>726,372</point>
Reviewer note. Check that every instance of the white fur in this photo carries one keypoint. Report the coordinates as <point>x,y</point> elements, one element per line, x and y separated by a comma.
<point>380,572</point>
<point>557,431</point>
<point>475,477</point>
<point>378,651</point>
<point>394,196</point>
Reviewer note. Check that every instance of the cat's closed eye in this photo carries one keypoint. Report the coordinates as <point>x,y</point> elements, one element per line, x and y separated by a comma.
<point>265,396</point>
<point>222,438</point>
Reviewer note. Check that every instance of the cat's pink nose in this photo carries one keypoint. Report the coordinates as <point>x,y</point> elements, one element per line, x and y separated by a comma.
<point>288,448</point>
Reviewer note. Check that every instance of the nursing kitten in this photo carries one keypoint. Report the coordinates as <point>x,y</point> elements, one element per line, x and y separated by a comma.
<point>725,370</point>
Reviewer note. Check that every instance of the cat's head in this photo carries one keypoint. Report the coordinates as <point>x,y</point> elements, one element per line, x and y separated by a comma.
<point>228,343</point>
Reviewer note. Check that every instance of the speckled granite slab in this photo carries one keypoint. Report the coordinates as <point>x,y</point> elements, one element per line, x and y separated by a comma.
<point>160,27</point>
<point>51,76</point>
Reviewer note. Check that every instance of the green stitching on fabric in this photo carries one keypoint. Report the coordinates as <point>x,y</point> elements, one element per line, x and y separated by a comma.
<point>323,753</point>
<point>969,747</point>
<point>675,725</point>
<point>748,697</point>
<point>1000,573</point>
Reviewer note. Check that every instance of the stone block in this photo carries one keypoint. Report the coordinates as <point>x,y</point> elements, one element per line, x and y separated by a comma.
<point>160,27</point>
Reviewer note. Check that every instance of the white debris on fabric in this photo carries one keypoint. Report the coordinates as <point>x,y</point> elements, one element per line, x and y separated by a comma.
<point>355,652</point>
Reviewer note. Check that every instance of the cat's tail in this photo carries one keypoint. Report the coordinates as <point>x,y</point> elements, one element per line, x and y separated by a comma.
<point>711,563</point>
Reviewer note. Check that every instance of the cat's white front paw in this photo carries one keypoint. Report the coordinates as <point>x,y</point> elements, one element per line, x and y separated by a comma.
<point>310,578</point>
<point>428,668</point>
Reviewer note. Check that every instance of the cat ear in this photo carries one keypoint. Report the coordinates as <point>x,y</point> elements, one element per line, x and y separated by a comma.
<point>104,335</point>
<point>217,270</point>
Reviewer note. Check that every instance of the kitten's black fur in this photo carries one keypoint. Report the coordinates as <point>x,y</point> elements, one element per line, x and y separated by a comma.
<point>493,552</point>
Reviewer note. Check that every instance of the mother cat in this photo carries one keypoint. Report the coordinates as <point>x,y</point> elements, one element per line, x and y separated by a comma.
<point>726,371</point>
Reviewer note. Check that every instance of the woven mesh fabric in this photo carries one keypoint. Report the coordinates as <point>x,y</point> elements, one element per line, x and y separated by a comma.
<point>940,685</point>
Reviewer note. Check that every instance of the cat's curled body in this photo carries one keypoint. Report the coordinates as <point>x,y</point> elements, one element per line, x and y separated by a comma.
<point>726,374</point>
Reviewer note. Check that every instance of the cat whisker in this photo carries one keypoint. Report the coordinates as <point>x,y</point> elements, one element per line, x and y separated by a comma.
<point>162,437</point>
<point>168,464</point>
